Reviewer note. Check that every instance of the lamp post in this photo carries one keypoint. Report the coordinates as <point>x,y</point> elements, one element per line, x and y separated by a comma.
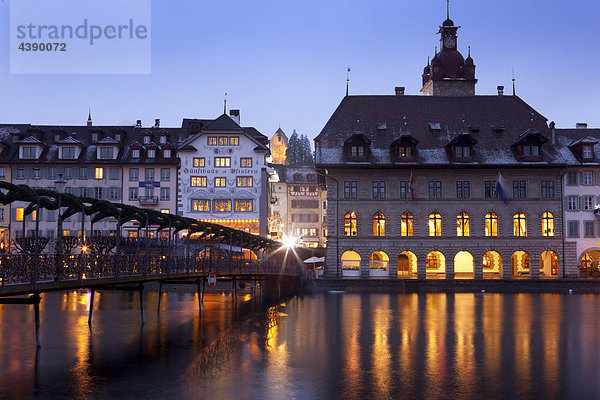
<point>59,186</point>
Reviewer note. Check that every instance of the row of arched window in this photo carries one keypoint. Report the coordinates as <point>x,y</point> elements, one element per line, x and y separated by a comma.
<point>463,224</point>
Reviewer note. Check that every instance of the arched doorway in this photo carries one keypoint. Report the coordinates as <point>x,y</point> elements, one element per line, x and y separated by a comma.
<point>350,263</point>
<point>548,265</point>
<point>407,264</point>
<point>464,266</point>
<point>378,264</point>
<point>520,264</point>
<point>435,265</point>
<point>492,265</point>
<point>590,264</point>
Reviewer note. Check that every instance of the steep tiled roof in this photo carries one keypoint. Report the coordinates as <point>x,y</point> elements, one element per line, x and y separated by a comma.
<point>495,122</point>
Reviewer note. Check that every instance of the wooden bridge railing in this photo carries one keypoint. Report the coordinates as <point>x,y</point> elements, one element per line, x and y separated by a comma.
<point>27,269</point>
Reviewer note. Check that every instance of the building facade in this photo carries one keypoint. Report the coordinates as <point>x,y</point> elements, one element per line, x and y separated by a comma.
<point>445,185</point>
<point>278,146</point>
<point>223,174</point>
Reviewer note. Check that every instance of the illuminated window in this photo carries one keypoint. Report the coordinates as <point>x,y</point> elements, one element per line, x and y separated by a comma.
<point>435,224</point>
<point>407,224</point>
<point>243,205</point>
<point>165,211</point>
<point>221,205</point>
<point>244,181</point>
<point>99,173</point>
<point>222,162</point>
<point>220,182</point>
<point>519,225</point>
<point>212,140</point>
<point>223,140</point>
<point>198,161</point>
<point>19,214</point>
<point>491,224</point>
<point>379,224</point>
<point>198,181</point>
<point>357,151</point>
<point>462,224</point>
<point>246,162</point>
<point>200,205</point>
<point>350,224</point>
<point>234,141</point>
<point>547,224</point>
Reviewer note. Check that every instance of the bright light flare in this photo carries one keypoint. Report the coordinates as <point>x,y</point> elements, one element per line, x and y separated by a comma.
<point>289,241</point>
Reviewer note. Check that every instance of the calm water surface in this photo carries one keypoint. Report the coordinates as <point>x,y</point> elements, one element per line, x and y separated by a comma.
<point>345,346</point>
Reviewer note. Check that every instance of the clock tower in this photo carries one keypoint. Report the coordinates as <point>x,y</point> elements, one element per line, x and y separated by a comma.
<point>449,74</point>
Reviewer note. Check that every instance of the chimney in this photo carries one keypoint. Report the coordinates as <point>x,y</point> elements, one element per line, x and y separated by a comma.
<point>581,125</point>
<point>138,124</point>
<point>400,90</point>
<point>552,133</point>
<point>157,123</point>
<point>500,90</point>
<point>235,115</point>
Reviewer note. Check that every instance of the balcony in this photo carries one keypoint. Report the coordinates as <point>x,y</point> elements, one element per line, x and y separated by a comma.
<point>148,200</point>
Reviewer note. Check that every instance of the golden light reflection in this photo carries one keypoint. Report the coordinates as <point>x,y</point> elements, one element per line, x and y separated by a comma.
<point>381,351</point>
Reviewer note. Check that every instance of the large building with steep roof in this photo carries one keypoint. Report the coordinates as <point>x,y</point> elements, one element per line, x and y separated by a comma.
<point>444,185</point>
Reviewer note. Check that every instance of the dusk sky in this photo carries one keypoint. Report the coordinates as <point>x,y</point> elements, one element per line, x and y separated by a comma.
<point>283,63</point>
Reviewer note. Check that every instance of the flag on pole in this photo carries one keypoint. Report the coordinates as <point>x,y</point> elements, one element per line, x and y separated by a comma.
<point>410,187</point>
<point>501,189</point>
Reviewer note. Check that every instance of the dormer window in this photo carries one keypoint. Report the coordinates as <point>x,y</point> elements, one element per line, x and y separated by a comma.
<point>118,137</point>
<point>57,137</point>
<point>404,148</point>
<point>94,137</point>
<point>135,153</point>
<point>167,153</point>
<point>462,151</point>
<point>588,152</point>
<point>28,152</point>
<point>147,139</point>
<point>162,139</point>
<point>357,151</point>
<point>106,153</point>
<point>529,150</point>
<point>67,152</point>
<point>405,152</point>
<point>357,147</point>
<point>151,153</point>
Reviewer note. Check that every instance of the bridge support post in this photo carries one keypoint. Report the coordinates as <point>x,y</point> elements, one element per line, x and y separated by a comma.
<point>91,308</point>
<point>200,295</point>
<point>159,296</point>
<point>141,289</point>
<point>36,309</point>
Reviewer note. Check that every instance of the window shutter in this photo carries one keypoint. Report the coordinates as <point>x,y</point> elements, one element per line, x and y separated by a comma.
<point>580,203</point>
<point>44,173</point>
<point>28,173</point>
<point>596,177</point>
<point>580,177</point>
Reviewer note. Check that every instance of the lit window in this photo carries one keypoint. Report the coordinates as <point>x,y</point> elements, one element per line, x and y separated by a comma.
<point>244,181</point>
<point>221,205</point>
<point>200,205</point>
<point>223,140</point>
<point>350,224</point>
<point>222,162</point>
<point>435,224</point>
<point>462,224</point>
<point>198,181</point>
<point>234,141</point>
<point>379,224</point>
<point>246,162</point>
<point>99,174</point>
<point>547,224</point>
<point>243,205</point>
<point>357,151</point>
<point>135,153</point>
<point>519,225</point>
<point>212,140</point>
<point>151,153</point>
<point>165,211</point>
<point>220,182</point>
<point>407,224</point>
<point>198,161</point>
<point>405,151</point>
<point>19,214</point>
<point>491,224</point>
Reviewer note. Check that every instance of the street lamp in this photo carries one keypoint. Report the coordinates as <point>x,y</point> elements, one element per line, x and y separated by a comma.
<point>59,185</point>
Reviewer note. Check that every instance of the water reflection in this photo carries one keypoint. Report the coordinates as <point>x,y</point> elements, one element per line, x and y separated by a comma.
<point>347,346</point>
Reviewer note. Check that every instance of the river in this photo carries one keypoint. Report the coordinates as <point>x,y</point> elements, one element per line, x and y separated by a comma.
<point>322,346</point>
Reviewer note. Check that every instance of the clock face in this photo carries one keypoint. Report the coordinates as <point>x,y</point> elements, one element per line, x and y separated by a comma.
<point>449,42</point>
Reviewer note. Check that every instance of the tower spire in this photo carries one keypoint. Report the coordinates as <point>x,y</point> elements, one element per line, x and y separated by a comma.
<point>513,82</point>
<point>89,121</point>
<point>225,104</point>
<point>448,9</point>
